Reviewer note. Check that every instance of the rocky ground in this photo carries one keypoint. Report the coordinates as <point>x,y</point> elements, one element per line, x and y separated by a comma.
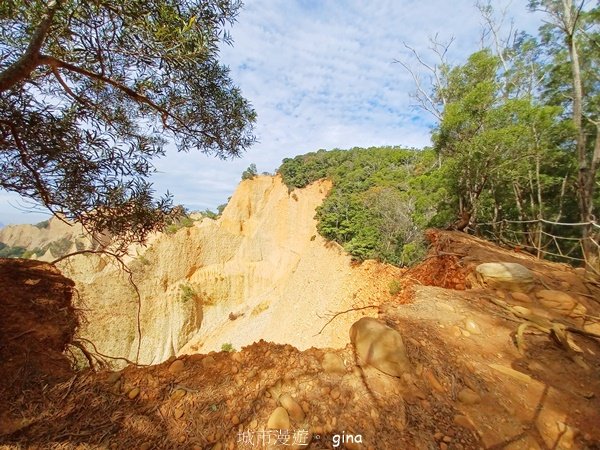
<point>460,358</point>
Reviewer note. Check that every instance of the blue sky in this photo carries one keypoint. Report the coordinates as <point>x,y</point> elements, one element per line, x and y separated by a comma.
<point>320,74</point>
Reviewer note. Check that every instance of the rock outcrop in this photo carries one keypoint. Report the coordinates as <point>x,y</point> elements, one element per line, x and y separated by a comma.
<point>260,271</point>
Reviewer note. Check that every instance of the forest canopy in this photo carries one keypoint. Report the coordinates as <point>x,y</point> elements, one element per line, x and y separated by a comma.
<point>515,156</point>
<point>90,93</point>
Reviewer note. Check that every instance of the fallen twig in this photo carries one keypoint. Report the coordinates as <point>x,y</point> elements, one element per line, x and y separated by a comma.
<point>344,312</point>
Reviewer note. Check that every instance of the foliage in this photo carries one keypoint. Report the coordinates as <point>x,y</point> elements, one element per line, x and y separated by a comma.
<point>395,287</point>
<point>90,92</point>
<point>188,293</point>
<point>381,200</point>
<point>43,224</point>
<point>250,172</point>
<point>6,251</point>
<point>183,221</point>
<point>227,347</point>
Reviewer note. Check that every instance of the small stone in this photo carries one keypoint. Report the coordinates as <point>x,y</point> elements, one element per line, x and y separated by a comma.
<point>468,397</point>
<point>176,366</point>
<point>521,297</point>
<point>465,333</point>
<point>447,439</point>
<point>559,301</point>
<point>433,381</point>
<point>133,393</point>
<point>443,446</point>
<point>463,421</point>
<point>472,327</point>
<point>113,378</point>
<point>335,394</point>
<point>279,419</point>
<point>235,420</point>
<point>438,436</point>
<point>234,370</point>
<point>178,413</point>
<point>292,407</point>
<point>208,361</point>
<point>146,446</point>
<point>178,394</point>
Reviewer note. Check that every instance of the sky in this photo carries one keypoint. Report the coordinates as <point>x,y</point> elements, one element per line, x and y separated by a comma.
<point>320,75</point>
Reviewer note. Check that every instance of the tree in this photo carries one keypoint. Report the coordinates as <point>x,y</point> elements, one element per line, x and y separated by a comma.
<point>250,172</point>
<point>90,93</point>
<point>570,33</point>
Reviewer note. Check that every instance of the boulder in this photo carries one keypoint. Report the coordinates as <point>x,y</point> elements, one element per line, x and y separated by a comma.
<point>561,303</point>
<point>380,346</point>
<point>503,275</point>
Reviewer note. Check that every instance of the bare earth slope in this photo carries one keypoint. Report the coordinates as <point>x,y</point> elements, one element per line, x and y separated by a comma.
<point>260,271</point>
<point>467,386</point>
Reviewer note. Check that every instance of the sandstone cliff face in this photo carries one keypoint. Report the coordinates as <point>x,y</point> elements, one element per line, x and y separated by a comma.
<point>260,271</point>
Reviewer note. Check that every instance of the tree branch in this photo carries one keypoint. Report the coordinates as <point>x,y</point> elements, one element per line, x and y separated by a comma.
<point>22,67</point>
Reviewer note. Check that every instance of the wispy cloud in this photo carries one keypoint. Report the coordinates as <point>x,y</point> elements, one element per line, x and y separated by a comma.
<point>321,75</point>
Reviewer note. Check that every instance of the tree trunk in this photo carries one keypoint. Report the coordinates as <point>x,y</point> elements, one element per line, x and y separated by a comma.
<point>586,175</point>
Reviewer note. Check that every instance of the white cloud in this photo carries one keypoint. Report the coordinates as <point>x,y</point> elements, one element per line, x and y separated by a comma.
<point>320,74</point>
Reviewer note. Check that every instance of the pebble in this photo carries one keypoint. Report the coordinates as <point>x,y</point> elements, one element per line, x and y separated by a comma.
<point>468,397</point>
<point>521,297</point>
<point>433,381</point>
<point>279,419</point>
<point>335,394</point>
<point>133,393</point>
<point>176,366</point>
<point>292,407</point>
<point>463,421</point>
<point>146,446</point>
<point>177,394</point>
<point>235,419</point>
<point>208,361</point>
<point>178,413</point>
<point>472,327</point>
<point>113,378</point>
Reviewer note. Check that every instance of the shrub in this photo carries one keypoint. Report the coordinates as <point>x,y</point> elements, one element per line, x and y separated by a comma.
<point>395,287</point>
<point>184,222</point>
<point>250,172</point>
<point>187,293</point>
<point>227,347</point>
<point>42,224</point>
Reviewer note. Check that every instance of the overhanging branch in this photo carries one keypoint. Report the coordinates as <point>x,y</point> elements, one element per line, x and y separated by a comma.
<point>22,67</point>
